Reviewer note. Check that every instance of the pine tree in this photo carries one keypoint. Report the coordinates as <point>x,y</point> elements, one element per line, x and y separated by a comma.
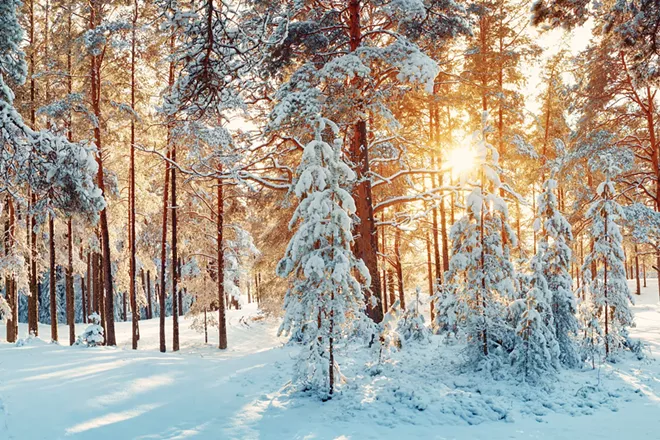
<point>535,355</point>
<point>324,303</point>
<point>480,276</point>
<point>555,256</point>
<point>608,292</point>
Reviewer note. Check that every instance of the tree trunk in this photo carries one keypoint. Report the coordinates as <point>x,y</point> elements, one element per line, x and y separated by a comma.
<point>644,271</point>
<point>222,325</point>
<point>131,194</point>
<point>70,300</point>
<point>399,268</point>
<point>180,296</point>
<point>174,266</point>
<point>84,289</point>
<point>429,274</point>
<point>10,284</point>
<point>105,233</point>
<point>639,287</point>
<point>150,310</point>
<point>366,246</point>
<point>605,286</point>
<point>163,252</point>
<point>33,302</point>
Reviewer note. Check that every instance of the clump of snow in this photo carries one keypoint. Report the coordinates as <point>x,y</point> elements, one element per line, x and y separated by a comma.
<point>93,334</point>
<point>30,340</point>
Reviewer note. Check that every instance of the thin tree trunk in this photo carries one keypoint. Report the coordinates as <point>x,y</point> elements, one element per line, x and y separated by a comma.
<point>222,325</point>
<point>33,302</point>
<point>163,253</point>
<point>12,296</point>
<point>180,290</point>
<point>639,287</point>
<point>644,271</point>
<point>429,274</point>
<point>390,283</point>
<point>174,266</point>
<point>84,288</point>
<point>52,279</point>
<point>105,233</point>
<point>605,287</point>
<point>70,300</point>
<point>150,310</point>
<point>131,211</point>
<point>399,268</point>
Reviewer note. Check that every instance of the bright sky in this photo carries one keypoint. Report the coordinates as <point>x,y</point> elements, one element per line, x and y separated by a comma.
<point>551,43</point>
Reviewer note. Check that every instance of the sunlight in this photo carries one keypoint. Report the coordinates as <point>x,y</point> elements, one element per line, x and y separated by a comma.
<point>461,160</point>
<point>111,418</point>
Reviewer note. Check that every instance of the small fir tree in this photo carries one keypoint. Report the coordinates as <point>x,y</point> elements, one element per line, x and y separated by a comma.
<point>536,351</point>
<point>325,301</point>
<point>554,256</point>
<point>608,292</point>
<point>481,276</point>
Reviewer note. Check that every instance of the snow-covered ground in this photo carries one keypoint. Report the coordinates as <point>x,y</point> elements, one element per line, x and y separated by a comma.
<point>51,392</point>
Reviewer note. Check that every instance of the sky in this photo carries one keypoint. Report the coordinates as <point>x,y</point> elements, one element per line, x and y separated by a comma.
<point>551,42</point>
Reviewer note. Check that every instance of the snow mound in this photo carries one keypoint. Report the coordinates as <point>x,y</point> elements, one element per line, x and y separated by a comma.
<point>32,341</point>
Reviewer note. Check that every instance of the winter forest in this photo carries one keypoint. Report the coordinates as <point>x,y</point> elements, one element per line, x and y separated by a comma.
<point>329,219</point>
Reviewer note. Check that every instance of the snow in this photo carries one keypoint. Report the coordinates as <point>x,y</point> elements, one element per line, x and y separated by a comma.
<point>52,391</point>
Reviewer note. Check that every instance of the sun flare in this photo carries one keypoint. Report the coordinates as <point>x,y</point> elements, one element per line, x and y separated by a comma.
<point>461,160</point>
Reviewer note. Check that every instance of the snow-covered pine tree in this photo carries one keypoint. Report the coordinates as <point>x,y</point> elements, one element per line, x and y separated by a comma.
<point>46,162</point>
<point>481,275</point>
<point>93,334</point>
<point>554,256</point>
<point>411,326</point>
<point>536,352</point>
<point>608,292</point>
<point>325,302</point>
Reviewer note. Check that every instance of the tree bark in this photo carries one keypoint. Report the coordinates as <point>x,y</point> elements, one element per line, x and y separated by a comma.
<point>131,214</point>
<point>174,265</point>
<point>70,300</point>
<point>222,325</point>
<point>429,270</point>
<point>163,253</point>
<point>51,278</point>
<point>95,82</point>
<point>12,295</point>
<point>366,247</point>
<point>399,268</point>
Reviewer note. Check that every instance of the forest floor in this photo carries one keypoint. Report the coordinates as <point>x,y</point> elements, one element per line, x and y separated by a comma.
<point>50,391</point>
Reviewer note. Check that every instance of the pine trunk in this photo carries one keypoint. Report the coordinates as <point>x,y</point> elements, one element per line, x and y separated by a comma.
<point>366,246</point>
<point>95,82</point>
<point>399,268</point>
<point>70,300</point>
<point>222,324</point>
<point>163,253</point>
<point>174,265</point>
